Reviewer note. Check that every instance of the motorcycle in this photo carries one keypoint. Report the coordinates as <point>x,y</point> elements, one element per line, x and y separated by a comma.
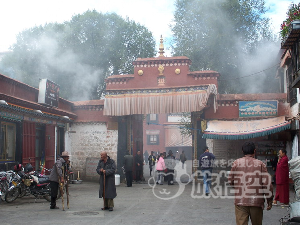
<point>3,185</point>
<point>13,181</point>
<point>29,182</point>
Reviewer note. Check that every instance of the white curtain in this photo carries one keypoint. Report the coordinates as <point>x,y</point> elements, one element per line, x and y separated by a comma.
<point>171,100</point>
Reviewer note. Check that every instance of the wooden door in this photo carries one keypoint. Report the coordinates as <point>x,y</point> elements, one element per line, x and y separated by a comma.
<point>49,146</point>
<point>28,153</point>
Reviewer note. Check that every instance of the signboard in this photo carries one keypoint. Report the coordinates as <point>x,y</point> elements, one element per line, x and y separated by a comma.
<point>258,108</point>
<point>48,93</point>
<point>91,166</point>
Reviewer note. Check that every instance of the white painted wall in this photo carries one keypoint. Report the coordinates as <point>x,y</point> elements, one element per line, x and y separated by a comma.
<point>88,140</point>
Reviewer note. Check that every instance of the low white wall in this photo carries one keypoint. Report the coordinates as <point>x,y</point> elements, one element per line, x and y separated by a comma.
<point>87,140</point>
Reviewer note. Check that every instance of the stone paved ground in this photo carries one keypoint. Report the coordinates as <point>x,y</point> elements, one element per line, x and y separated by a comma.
<point>140,204</point>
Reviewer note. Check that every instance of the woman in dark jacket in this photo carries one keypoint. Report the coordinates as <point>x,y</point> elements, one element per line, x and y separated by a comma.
<point>107,167</point>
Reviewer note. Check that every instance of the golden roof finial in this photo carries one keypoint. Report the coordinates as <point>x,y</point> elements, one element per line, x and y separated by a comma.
<point>161,47</point>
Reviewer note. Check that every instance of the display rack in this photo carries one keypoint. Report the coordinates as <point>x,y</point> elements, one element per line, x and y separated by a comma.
<point>268,150</point>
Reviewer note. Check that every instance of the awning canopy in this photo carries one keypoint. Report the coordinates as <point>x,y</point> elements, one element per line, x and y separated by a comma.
<point>234,130</point>
<point>157,101</point>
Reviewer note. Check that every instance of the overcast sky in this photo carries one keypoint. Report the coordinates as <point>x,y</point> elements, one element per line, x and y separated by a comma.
<point>156,15</point>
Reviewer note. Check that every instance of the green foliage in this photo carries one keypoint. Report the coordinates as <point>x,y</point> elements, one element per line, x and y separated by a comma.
<point>293,13</point>
<point>79,54</point>
<point>186,125</point>
<point>215,34</point>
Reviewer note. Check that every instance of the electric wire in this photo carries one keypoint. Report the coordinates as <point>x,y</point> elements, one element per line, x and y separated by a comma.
<point>253,74</point>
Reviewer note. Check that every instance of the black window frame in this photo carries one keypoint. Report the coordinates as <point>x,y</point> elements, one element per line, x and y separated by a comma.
<point>149,137</point>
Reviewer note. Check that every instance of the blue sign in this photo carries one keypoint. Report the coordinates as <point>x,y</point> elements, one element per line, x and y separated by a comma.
<point>258,108</point>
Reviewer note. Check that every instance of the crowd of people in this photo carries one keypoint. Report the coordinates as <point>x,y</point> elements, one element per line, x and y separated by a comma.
<point>248,203</point>
<point>161,163</point>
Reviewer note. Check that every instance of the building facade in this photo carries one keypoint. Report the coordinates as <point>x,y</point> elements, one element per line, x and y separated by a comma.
<point>31,132</point>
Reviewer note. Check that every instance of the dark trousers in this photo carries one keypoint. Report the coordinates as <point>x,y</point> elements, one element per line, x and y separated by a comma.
<point>138,175</point>
<point>108,203</point>
<point>150,167</point>
<point>128,175</point>
<point>54,191</point>
<point>170,176</point>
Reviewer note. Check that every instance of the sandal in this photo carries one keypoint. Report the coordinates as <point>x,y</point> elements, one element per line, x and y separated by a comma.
<point>274,203</point>
<point>105,208</point>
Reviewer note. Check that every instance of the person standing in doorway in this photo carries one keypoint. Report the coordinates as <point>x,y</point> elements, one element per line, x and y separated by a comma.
<point>206,161</point>
<point>252,183</point>
<point>182,159</point>
<point>106,169</point>
<point>151,160</point>
<point>138,166</point>
<point>56,176</point>
<point>128,166</point>
<point>282,179</point>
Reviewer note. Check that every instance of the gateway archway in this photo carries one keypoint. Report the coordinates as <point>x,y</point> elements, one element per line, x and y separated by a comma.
<point>159,85</point>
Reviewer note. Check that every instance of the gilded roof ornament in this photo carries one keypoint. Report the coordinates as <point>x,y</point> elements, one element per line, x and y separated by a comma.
<point>161,47</point>
<point>140,72</point>
<point>161,70</point>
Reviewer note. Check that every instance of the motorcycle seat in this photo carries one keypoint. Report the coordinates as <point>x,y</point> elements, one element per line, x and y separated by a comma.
<point>43,180</point>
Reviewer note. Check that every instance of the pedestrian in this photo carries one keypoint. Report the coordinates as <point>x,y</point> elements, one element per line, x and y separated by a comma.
<point>106,169</point>
<point>146,155</point>
<point>160,167</point>
<point>138,166</point>
<point>56,177</point>
<point>206,162</point>
<point>282,179</point>
<point>182,159</point>
<point>151,160</point>
<point>177,156</point>
<point>170,165</point>
<point>252,183</point>
<point>128,166</point>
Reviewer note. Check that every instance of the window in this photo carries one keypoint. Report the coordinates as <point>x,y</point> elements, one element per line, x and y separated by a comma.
<point>60,140</point>
<point>297,56</point>
<point>7,141</point>
<point>292,92</point>
<point>153,139</point>
<point>152,118</point>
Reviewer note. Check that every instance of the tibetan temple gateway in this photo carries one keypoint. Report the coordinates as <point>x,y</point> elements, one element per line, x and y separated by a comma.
<point>37,125</point>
